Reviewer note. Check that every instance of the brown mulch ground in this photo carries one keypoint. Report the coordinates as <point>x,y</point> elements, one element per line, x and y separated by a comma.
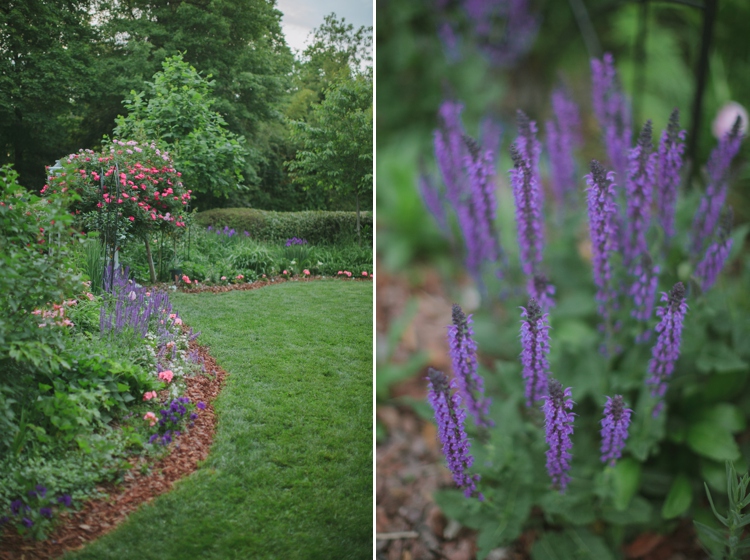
<point>196,289</point>
<point>409,463</point>
<point>100,516</point>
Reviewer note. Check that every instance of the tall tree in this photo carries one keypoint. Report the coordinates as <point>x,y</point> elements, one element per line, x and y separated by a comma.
<point>45,51</point>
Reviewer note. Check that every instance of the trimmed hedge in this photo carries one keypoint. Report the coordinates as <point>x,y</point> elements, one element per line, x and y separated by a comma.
<point>314,226</point>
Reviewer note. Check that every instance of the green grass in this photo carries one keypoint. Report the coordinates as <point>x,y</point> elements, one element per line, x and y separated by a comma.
<point>290,471</point>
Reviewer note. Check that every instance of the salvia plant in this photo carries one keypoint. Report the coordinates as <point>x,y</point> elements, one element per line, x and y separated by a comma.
<point>605,400</point>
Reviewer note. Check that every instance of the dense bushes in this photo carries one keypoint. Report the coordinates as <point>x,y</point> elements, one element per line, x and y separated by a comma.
<point>316,227</point>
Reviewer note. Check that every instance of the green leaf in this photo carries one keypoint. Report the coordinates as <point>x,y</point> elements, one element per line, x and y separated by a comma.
<point>721,359</point>
<point>679,497</point>
<point>638,512</point>
<point>712,441</point>
<point>726,415</point>
<point>626,478</point>
<point>577,543</point>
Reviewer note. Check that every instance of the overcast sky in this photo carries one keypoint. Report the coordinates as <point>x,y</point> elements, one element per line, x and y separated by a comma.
<point>302,16</point>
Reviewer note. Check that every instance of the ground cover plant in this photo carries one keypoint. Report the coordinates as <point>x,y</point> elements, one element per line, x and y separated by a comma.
<point>597,371</point>
<point>290,471</point>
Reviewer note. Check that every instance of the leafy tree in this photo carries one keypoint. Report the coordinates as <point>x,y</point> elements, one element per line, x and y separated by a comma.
<point>45,52</point>
<point>336,143</point>
<point>176,112</point>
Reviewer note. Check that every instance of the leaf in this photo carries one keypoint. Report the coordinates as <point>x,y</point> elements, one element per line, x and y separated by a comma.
<point>626,478</point>
<point>679,497</point>
<point>726,415</point>
<point>638,512</point>
<point>719,358</point>
<point>577,543</point>
<point>505,520</point>
<point>712,441</point>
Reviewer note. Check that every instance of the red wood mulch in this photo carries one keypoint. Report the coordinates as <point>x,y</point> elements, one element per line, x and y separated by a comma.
<point>100,516</point>
<point>409,463</point>
<point>193,289</point>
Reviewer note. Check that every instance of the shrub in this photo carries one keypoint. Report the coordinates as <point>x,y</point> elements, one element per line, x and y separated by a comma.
<point>253,258</point>
<point>315,226</point>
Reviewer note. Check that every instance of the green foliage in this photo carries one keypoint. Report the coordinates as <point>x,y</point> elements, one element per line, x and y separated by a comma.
<point>317,227</point>
<point>253,258</point>
<point>177,114</point>
<point>729,545</point>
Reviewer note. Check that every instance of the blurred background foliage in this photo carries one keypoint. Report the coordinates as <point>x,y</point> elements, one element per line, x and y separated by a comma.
<point>415,75</point>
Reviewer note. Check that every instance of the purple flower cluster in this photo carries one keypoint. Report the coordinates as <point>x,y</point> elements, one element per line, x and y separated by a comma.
<point>563,136</point>
<point>535,345</point>
<point>172,418</point>
<point>671,148</point>
<point>468,174</point>
<point>667,347</point>
<point>716,255</point>
<point>718,167</point>
<point>227,231</point>
<point>450,421</point>
<point>602,229</point>
<point>614,429</point>
<point>643,289</point>
<point>558,424</point>
<point>23,513</point>
<point>542,290</point>
<point>295,241</point>
<point>612,110</point>
<point>527,192</point>
<point>463,352</point>
<point>639,189</point>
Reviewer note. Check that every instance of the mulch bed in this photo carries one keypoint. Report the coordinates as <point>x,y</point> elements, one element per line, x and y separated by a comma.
<point>100,516</point>
<point>409,462</point>
<point>193,289</point>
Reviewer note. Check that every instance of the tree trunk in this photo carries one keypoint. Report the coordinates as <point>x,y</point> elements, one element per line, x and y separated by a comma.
<point>359,235</point>
<point>149,258</point>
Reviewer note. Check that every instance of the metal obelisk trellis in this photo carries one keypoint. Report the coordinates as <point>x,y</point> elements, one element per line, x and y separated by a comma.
<point>110,229</point>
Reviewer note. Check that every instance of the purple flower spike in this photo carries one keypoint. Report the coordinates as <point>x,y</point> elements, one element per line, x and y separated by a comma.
<point>639,190</point>
<point>667,347</point>
<point>463,351</point>
<point>643,290</point>
<point>614,429</point>
<point>563,136</point>
<point>527,195</point>
<point>602,229</point>
<point>535,344</point>
<point>718,166</point>
<point>671,148</point>
<point>612,111</point>
<point>450,417</point>
<point>558,425</point>
<point>542,290</point>
<point>716,255</point>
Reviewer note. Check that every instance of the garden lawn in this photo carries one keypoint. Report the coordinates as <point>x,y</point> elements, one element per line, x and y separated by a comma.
<point>290,471</point>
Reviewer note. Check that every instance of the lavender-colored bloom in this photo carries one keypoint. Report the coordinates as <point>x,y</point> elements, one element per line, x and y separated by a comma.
<point>153,438</point>
<point>643,289</point>
<point>46,512</point>
<point>433,202</point>
<point>201,405</point>
<point>671,148</point>
<point>716,255</point>
<point>612,110</point>
<point>528,199</point>
<point>535,347</point>
<point>558,424</point>
<point>667,347</point>
<point>563,136</point>
<point>602,229</point>
<point>15,506</point>
<point>639,190</point>
<point>463,351</point>
<point>65,500</point>
<point>614,429</point>
<point>27,522</point>
<point>41,490</point>
<point>450,417</point>
<point>542,290</point>
<point>718,166</point>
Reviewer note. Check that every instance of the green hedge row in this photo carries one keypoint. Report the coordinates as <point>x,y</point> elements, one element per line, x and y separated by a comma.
<point>315,226</point>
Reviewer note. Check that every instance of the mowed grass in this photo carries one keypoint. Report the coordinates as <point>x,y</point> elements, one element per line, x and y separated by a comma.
<point>290,472</point>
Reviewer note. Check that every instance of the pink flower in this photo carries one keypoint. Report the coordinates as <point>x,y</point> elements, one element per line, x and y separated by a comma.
<point>306,272</point>
<point>364,273</point>
<point>90,296</point>
<point>166,375</point>
<point>185,279</point>
<point>240,277</point>
<point>223,277</point>
<point>285,272</point>
<point>340,273</point>
<point>178,321</point>
<point>149,395</point>
<point>725,118</point>
<point>150,417</point>
<point>348,274</point>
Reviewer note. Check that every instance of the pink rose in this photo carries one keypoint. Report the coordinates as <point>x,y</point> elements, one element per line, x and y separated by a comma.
<point>150,417</point>
<point>340,273</point>
<point>149,395</point>
<point>348,274</point>
<point>364,273</point>
<point>166,375</point>
<point>223,277</point>
<point>306,272</point>
<point>285,272</point>
<point>185,279</point>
